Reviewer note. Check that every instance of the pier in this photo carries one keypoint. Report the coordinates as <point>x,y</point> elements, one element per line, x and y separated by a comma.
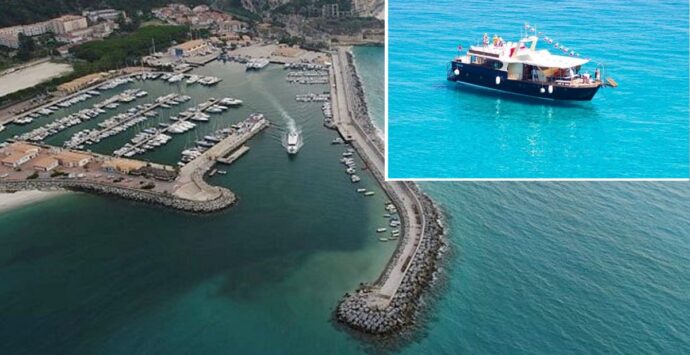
<point>389,303</point>
<point>7,116</point>
<point>94,136</point>
<point>182,118</point>
<point>233,156</point>
<point>190,183</point>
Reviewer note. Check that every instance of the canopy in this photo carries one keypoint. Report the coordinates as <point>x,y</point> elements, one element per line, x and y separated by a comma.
<point>544,59</point>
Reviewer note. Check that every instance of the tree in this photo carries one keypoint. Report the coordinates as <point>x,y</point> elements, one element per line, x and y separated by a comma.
<point>26,47</point>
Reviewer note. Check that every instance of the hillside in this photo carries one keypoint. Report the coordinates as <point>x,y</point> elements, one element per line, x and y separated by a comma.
<point>18,12</point>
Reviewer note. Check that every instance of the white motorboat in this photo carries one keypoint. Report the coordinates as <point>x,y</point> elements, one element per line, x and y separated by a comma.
<point>292,141</point>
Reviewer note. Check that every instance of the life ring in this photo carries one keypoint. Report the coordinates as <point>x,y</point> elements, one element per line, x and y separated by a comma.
<point>498,80</point>
<point>456,71</point>
<point>542,90</point>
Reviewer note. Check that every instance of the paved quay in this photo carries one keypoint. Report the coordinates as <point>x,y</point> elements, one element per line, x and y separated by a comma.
<point>408,204</point>
<point>389,303</point>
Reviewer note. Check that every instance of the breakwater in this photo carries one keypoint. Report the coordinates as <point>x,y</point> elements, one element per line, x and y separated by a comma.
<point>225,199</point>
<point>391,303</point>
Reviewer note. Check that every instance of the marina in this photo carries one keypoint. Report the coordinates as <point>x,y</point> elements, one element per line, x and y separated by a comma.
<point>213,142</point>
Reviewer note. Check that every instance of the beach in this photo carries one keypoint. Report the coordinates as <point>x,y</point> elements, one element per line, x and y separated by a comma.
<point>9,201</point>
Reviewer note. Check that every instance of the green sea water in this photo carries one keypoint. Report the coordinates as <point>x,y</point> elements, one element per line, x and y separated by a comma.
<point>90,274</point>
<point>533,268</point>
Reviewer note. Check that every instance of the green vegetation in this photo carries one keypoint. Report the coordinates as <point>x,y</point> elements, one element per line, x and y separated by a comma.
<point>291,40</point>
<point>111,53</point>
<point>123,50</point>
<point>348,25</point>
<point>30,48</point>
<point>310,8</point>
<point>235,8</point>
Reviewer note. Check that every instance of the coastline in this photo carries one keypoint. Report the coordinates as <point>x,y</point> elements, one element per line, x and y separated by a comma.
<point>10,201</point>
<point>391,303</point>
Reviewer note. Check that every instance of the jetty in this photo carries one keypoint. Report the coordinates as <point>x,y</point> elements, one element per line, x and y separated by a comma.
<point>53,168</point>
<point>233,156</point>
<point>190,183</point>
<point>390,303</point>
<point>205,106</point>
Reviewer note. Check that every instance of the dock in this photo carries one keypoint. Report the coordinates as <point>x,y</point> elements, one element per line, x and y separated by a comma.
<point>95,134</point>
<point>233,156</point>
<point>190,183</point>
<point>13,117</point>
<point>202,108</point>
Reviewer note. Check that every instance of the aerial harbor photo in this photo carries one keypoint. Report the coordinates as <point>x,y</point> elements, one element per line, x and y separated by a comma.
<point>209,177</point>
<point>540,92</point>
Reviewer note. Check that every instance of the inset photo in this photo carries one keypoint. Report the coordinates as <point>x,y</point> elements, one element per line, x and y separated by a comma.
<point>537,90</point>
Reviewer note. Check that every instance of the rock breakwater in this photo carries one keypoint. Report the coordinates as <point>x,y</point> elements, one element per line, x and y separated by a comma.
<point>224,200</point>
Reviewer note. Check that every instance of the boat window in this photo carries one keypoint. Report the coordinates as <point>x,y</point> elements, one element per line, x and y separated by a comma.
<point>493,64</point>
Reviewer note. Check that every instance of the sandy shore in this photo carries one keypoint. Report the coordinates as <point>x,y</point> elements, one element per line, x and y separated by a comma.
<point>30,76</point>
<point>10,201</point>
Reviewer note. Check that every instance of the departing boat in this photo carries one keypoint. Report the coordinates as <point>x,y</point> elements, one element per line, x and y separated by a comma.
<point>361,190</point>
<point>369,193</point>
<point>520,68</point>
<point>292,141</point>
<point>380,230</point>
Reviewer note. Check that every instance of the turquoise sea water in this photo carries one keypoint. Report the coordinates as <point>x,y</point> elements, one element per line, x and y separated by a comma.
<point>563,268</point>
<point>440,129</point>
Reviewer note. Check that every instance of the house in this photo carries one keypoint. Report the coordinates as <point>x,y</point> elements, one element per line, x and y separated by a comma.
<point>122,165</point>
<point>72,160</point>
<point>233,26</point>
<point>16,154</point>
<point>80,83</point>
<point>189,48</point>
<point>69,23</point>
<point>45,163</point>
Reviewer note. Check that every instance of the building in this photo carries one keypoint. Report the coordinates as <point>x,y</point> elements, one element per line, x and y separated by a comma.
<point>330,10</point>
<point>72,160</point>
<point>69,23</point>
<point>9,36</point>
<point>200,8</point>
<point>232,26</point>
<point>82,82</point>
<point>45,163</point>
<point>16,154</point>
<point>189,48</point>
<point>106,14</point>
<point>122,165</point>
<point>9,40</point>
